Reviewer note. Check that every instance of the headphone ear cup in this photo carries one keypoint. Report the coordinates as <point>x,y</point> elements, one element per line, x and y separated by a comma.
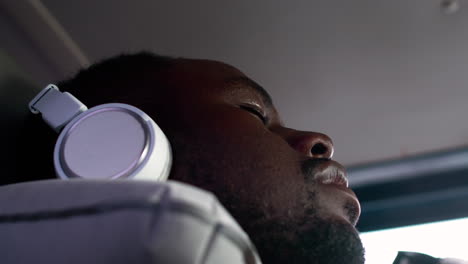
<point>113,141</point>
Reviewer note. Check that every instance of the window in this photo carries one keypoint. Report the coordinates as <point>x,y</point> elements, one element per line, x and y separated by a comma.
<point>438,239</point>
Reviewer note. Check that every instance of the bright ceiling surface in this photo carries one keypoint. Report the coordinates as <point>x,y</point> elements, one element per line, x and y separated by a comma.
<point>385,79</point>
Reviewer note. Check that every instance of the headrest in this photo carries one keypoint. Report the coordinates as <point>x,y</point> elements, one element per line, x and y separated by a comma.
<point>124,221</point>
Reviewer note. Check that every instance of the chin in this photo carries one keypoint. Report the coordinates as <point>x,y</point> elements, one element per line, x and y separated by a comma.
<point>330,240</point>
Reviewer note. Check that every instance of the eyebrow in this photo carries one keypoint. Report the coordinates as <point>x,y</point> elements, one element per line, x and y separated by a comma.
<point>245,81</point>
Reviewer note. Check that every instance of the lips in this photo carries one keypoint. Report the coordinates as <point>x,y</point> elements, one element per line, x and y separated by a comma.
<point>332,174</point>
<point>325,171</point>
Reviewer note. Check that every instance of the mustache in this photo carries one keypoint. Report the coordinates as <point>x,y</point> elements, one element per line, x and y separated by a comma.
<point>310,167</point>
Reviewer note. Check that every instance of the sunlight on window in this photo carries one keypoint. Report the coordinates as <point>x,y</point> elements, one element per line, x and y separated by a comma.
<point>439,239</point>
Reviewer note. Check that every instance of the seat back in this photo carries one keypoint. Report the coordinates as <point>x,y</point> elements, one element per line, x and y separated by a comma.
<point>15,92</point>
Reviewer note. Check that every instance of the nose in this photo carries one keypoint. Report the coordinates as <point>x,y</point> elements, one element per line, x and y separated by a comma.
<point>311,144</point>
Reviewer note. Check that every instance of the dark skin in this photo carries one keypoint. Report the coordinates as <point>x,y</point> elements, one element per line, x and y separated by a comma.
<point>228,139</point>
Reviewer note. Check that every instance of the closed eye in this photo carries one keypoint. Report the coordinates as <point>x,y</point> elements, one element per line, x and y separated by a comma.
<point>255,111</point>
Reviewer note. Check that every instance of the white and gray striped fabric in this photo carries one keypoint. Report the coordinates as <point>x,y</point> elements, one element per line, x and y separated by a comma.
<point>124,221</point>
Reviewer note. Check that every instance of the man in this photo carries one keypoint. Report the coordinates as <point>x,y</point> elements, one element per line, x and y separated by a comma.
<point>227,137</point>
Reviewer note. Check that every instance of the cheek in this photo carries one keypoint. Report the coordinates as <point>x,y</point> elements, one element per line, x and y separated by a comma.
<point>251,162</point>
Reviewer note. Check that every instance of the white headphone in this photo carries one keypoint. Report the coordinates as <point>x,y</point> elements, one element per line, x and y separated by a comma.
<point>108,141</point>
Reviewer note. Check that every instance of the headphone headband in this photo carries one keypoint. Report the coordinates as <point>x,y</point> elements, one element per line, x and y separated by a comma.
<point>49,100</point>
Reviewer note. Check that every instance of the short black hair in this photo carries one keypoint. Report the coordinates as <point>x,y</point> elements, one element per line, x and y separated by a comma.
<point>119,72</point>
<point>116,75</point>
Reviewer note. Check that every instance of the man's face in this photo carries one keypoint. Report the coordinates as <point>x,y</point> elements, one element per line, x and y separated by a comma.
<point>279,183</point>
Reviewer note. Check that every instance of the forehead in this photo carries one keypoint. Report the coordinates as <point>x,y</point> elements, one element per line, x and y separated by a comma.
<point>212,76</point>
<point>202,70</point>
